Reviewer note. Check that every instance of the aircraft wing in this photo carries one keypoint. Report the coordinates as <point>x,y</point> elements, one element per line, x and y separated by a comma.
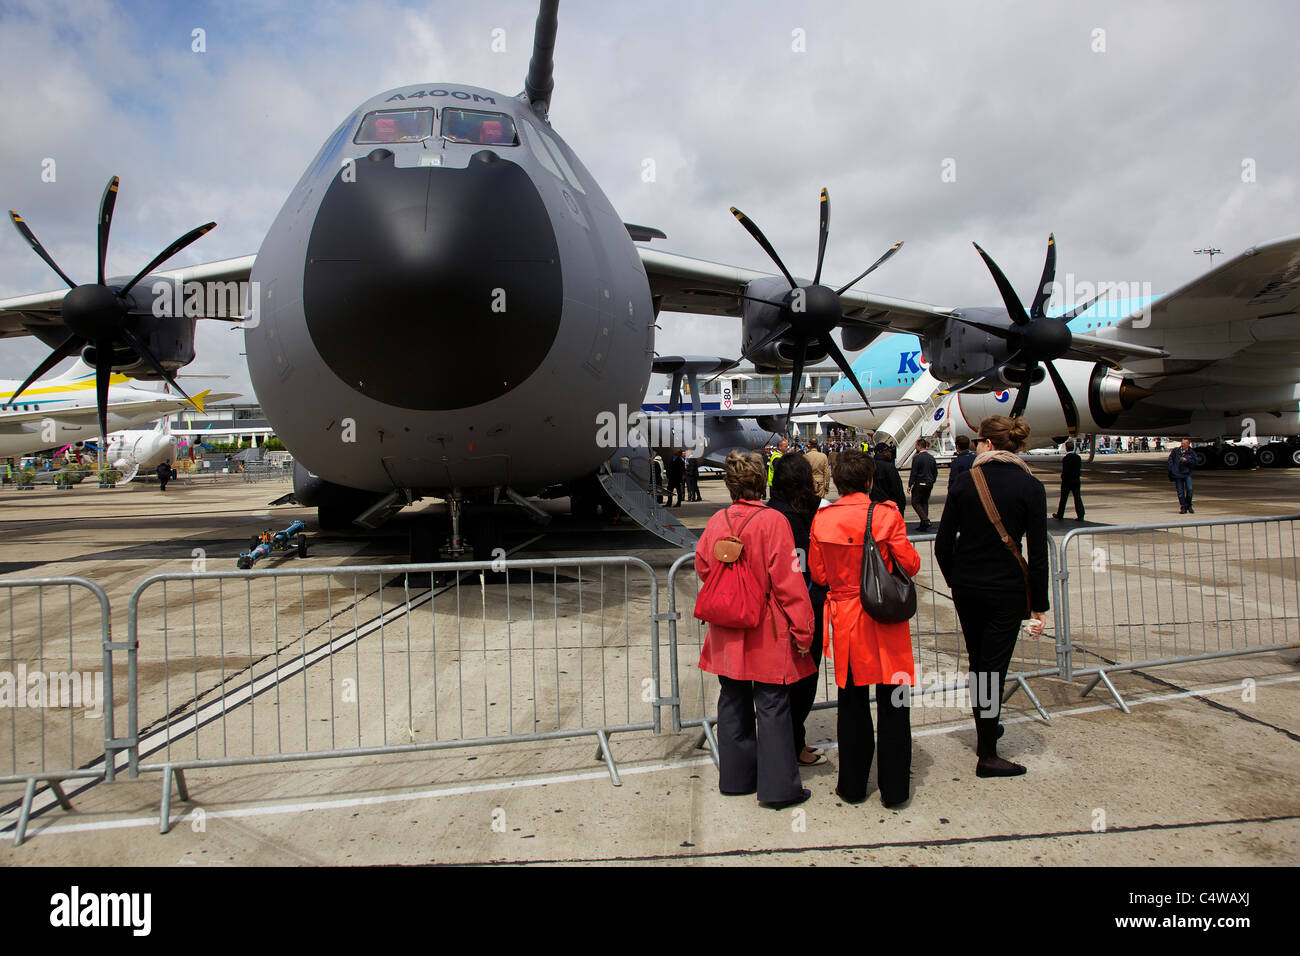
<point>25,314</point>
<point>1242,316</point>
<point>682,284</point>
<point>17,422</point>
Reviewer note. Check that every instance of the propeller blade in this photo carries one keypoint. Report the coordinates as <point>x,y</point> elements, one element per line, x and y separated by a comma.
<point>103,375</point>
<point>1067,400</point>
<point>39,249</point>
<point>733,295</point>
<point>1012,301</point>
<point>167,253</point>
<point>106,205</point>
<point>725,369</point>
<point>1045,283</point>
<point>1080,309</point>
<point>1022,399</point>
<point>976,379</point>
<point>69,347</point>
<point>998,330</point>
<point>142,350</point>
<point>766,340</point>
<point>822,234</point>
<point>752,228</point>
<point>870,269</point>
<point>828,343</point>
<point>796,380</point>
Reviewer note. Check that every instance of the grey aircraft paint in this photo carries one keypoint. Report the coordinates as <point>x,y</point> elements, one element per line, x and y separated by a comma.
<point>555,309</point>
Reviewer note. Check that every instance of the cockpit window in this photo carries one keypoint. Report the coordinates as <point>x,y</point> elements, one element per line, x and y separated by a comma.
<point>481,128</point>
<point>395,126</point>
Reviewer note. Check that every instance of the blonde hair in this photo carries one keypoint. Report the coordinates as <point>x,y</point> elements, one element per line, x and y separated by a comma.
<point>1005,434</point>
<point>745,475</point>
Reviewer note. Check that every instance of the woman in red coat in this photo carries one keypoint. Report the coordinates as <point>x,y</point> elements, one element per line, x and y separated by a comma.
<point>756,667</point>
<point>866,652</point>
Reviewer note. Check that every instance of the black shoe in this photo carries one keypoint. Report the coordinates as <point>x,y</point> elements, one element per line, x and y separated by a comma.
<point>1058,518</point>
<point>894,804</point>
<point>861,799</point>
<point>804,795</point>
<point>1191,510</point>
<point>997,767</point>
<point>737,793</point>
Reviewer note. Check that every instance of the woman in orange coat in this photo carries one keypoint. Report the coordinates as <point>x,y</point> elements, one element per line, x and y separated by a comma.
<point>866,652</point>
<point>756,667</point>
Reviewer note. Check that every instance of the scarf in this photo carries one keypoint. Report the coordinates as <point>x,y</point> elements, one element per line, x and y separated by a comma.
<point>999,454</point>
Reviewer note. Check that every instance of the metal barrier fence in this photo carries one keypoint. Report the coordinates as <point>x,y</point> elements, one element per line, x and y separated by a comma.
<point>1139,596</point>
<point>940,694</point>
<point>56,685</point>
<point>245,667</point>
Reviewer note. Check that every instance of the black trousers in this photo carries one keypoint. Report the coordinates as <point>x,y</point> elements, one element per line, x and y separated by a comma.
<point>1078,499</point>
<point>678,486</point>
<point>859,741</point>
<point>990,622</point>
<point>762,761</point>
<point>804,692</point>
<point>921,502</point>
<point>693,488</point>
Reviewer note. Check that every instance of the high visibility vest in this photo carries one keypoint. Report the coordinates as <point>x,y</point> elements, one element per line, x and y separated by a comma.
<point>771,464</point>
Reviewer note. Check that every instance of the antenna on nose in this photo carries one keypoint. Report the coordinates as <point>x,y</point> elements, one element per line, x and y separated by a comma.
<point>540,80</point>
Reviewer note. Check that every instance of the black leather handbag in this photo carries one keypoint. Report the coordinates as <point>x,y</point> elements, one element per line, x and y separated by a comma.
<point>886,597</point>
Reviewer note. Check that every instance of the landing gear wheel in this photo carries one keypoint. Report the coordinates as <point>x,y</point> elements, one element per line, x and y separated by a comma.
<point>335,517</point>
<point>1232,458</point>
<point>302,546</point>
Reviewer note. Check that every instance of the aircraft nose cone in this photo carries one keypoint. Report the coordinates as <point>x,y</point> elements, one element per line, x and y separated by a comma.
<point>431,288</point>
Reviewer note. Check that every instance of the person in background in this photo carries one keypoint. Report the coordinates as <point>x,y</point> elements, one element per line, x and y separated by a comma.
<point>782,447</point>
<point>677,478</point>
<point>795,496</point>
<point>920,481</point>
<point>1181,462</point>
<point>965,458</point>
<point>1071,481</point>
<point>757,667</point>
<point>866,652</point>
<point>164,473</point>
<point>887,485</point>
<point>992,590</point>
<point>821,470</point>
<point>693,480</point>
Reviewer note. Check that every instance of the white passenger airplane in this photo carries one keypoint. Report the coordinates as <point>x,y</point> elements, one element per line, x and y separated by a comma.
<point>62,411</point>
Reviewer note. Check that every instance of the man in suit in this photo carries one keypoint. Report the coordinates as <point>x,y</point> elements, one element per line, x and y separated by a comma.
<point>821,470</point>
<point>965,458</point>
<point>887,486</point>
<point>1071,481</point>
<point>677,478</point>
<point>920,482</point>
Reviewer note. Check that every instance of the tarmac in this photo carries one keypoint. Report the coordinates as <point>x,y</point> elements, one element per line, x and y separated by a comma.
<point>1203,771</point>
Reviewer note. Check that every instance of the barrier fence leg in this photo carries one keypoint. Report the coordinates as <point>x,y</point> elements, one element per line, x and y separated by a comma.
<point>1022,684</point>
<point>708,736</point>
<point>609,757</point>
<point>1102,678</point>
<point>165,809</point>
<point>29,795</point>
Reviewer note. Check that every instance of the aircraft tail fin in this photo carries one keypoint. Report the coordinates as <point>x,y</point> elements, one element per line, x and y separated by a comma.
<point>540,80</point>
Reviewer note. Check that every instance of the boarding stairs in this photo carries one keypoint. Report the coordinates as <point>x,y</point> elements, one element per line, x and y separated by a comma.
<point>904,425</point>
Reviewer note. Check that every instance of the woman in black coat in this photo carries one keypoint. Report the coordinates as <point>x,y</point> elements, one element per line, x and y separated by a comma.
<point>794,494</point>
<point>991,590</point>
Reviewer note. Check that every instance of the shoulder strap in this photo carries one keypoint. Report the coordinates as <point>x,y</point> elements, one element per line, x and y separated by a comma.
<point>735,533</point>
<point>991,510</point>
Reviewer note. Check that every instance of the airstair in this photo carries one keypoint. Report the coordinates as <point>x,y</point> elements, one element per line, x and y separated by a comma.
<point>906,424</point>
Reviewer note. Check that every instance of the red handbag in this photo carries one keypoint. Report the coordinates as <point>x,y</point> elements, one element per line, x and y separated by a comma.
<point>731,596</point>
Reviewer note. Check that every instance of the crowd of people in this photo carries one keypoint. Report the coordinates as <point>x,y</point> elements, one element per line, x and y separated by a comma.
<point>806,555</point>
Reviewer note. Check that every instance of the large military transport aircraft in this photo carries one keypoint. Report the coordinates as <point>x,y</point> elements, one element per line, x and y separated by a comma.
<point>448,305</point>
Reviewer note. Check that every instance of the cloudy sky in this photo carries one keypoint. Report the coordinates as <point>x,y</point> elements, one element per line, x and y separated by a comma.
<point>1138,132</point>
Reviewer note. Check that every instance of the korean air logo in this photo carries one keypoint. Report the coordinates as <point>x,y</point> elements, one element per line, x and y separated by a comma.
<point>1002,396</point>
<point>938,414</point>
<point>912,363</point>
